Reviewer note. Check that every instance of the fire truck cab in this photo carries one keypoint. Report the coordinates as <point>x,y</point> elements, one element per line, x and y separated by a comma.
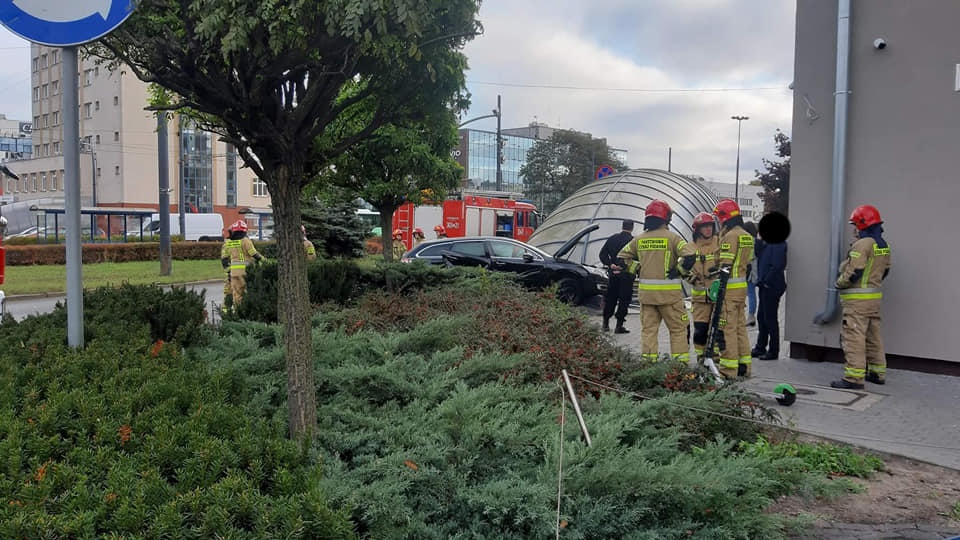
<point>477,214</point>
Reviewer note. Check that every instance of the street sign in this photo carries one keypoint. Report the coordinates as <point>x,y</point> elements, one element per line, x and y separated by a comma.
<point>64,23</point>
<point>604,171</point>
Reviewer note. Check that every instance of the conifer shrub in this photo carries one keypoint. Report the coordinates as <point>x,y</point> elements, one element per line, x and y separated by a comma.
<point>135,438</point>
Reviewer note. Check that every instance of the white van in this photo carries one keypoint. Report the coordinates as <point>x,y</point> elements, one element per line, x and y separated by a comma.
<point>200,227</point>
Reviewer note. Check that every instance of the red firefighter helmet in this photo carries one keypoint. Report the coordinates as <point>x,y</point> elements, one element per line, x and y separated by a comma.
<point>397,232</point>
<point>418,230</point>
<point>726,209</point>
<point>239,225</point>
<point>703,218</point>
<point>440,230</point>
<point>864,216</point>
<point>658,208</point>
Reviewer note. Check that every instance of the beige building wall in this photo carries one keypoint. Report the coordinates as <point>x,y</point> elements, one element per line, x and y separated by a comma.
<point>904,122</point>
<point>123,139</point>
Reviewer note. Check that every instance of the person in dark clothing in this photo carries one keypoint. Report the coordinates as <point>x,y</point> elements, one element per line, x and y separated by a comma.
<point>771,262</point>
<point>620,285</point>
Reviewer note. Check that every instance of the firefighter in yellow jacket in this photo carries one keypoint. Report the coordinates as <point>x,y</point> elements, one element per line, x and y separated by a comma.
<point>653,256</point>
<point>237,252</point>
<point>861,275</point>
<point>308,246</point>
<point>707,243</point>
<point>736,253</point>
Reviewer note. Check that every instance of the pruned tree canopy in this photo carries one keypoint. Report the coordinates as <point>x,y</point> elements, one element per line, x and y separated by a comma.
<point>292,84</point>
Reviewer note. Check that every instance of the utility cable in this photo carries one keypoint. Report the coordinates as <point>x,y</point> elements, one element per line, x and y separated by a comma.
<point>636,90</point>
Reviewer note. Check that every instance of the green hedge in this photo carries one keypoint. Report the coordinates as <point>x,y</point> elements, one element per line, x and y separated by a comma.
<point>340,281</point>
<point>123,252</point>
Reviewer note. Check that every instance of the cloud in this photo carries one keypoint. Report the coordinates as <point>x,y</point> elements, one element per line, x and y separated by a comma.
<point>607,46</point>
<point>15,85</point>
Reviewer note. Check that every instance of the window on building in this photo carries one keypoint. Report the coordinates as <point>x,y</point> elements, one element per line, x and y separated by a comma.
<point>36,120</point>
<point>43,181</point>
<point>45,91</point>
<point>116,100</point>
<point>46,149</point>
<point>259,188</point>
<point>98,139</point>
<point>62,179</point>
<point>55,87</point>
<point>46,120</point>
<point>56,56</point>
<point>98,172</point>
<point>116,136</point>
<point>43,60</point>
<point>116,170</point>
<point>88,110</point>
<point>11,186</point>
<point>87,77</point>
<point>54,183</point>
<point>20,184</point>
<point>231,176</point>
<point>96,105</point>
<point>56,148</point>
<point>36,93</point>
<point>33,182</point>
<point>36,63</point>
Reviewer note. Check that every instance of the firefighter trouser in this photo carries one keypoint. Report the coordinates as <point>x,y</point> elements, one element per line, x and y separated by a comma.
<point>862,345</point>
<point>701,325</point>
<point>735,350</point>
<point>675,318</point>
<point>238,286</point>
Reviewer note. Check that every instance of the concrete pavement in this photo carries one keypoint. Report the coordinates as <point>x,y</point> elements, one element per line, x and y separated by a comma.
<point>914,414</point>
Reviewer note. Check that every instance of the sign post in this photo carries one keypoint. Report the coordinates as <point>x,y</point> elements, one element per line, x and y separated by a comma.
<point>58,23</point>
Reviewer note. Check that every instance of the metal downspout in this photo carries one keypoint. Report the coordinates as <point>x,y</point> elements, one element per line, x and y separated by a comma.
<point>841,97</point>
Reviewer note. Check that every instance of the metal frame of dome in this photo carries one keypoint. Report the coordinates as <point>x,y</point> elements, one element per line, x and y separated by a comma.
<point>612,199</point>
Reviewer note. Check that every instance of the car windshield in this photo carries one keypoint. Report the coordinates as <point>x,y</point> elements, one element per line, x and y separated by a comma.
<point>510,250</point>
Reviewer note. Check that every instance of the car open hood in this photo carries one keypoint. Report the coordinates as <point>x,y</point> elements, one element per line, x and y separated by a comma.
<point>569,244</point>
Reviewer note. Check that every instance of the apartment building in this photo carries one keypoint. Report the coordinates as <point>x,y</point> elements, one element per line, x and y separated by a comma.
<point>119,149</point>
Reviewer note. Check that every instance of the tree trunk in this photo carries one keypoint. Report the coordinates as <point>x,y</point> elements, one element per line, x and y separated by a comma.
<point>386,231</point>
<point>293,302</point>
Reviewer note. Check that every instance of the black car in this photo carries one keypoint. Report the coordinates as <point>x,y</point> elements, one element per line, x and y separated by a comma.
<point>576,282</point>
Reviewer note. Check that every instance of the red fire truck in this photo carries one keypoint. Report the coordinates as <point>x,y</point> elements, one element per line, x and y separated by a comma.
<point>474,214</point>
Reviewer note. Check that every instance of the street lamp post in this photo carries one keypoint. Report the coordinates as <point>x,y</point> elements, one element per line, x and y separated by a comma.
<point>736,185</point>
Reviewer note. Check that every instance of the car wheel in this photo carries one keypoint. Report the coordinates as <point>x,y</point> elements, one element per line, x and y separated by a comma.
<point>569,291</point>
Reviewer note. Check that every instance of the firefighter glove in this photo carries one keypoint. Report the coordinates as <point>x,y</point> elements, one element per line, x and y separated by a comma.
<point>688,262</point>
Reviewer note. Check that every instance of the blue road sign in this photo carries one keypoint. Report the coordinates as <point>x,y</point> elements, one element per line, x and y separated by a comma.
<point>64,23</point>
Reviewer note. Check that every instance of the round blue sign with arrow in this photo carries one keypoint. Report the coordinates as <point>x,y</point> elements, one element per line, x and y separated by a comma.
<point>64,23</point>
<point>604,171</point>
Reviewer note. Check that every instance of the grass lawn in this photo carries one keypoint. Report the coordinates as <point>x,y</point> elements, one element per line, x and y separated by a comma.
<point>53,278</point>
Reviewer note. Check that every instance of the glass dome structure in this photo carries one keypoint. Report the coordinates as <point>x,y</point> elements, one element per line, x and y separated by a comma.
<point>610,200</point>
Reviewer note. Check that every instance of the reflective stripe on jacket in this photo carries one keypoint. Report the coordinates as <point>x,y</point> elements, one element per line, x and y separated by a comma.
<point>652,256</point>
<point>861,274</point>
<point>240,252</point>
<point>736,251</point>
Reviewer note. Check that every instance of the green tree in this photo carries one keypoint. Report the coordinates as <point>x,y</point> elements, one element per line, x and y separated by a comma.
<point>559,166</point>
<point>775,179</point>
<point>400,164</point>
<point>269,76</point>
<point>334,227</point>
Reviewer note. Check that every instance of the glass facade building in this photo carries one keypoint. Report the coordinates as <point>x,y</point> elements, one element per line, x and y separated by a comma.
<point>477,153</point>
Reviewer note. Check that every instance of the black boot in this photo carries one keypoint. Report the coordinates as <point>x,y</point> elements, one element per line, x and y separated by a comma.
<point>620,330</point>
<point>875,378</point>
<point>742,370</point>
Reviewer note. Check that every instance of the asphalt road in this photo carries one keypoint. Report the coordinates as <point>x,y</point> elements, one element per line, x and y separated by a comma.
<point>23,306</point>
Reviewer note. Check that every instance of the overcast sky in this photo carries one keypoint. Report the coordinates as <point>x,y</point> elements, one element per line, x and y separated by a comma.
<point>602,66</point>
<point>529,46</point>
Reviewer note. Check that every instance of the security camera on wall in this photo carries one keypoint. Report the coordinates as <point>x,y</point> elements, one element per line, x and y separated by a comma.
<point>880,44</point>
